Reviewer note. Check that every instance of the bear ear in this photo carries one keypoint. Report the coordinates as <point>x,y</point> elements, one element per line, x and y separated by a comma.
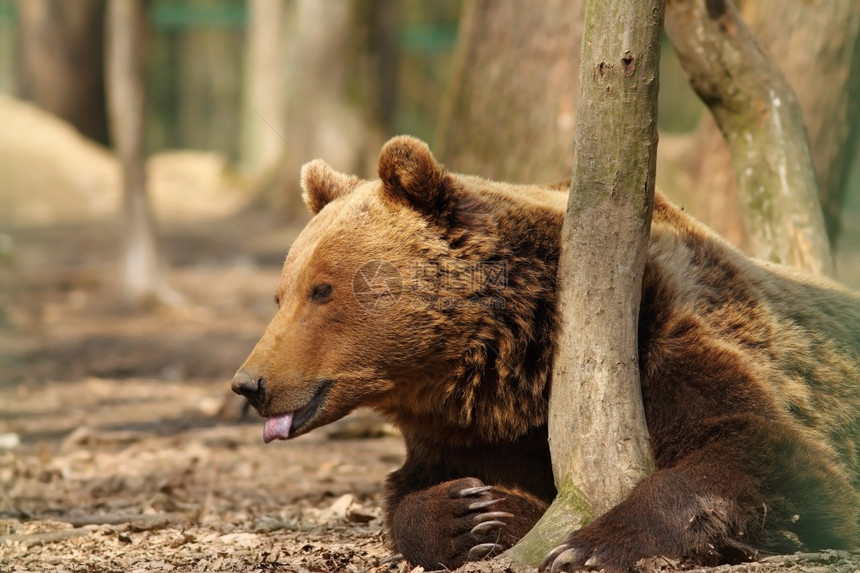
<point>321,184</point>
<point>411,174</point>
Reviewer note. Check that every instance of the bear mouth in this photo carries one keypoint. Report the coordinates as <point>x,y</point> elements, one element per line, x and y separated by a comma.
<point>292,424</point>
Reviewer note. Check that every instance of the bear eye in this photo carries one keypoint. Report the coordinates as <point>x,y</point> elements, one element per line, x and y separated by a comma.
<point>321,293</point>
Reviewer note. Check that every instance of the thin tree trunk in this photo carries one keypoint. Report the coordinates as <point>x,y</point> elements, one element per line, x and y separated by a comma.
<point>382,19</point>
<point>513,92</point>
<point>326,71</point>
<point>264,86</point>
<point>323,57</point>
<point>761,120</point>
<point>141,273</point>
<point>597,429</point>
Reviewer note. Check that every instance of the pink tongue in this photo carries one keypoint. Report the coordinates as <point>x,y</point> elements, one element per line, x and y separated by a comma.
<point>277,427</point>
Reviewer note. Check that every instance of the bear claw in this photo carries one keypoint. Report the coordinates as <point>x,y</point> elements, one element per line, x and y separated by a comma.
<point>551,556</point>
<point>484,550</point>
<point>562,558</point>
<point>483,503</point>
<point>487,526</point>
<point>473,490</point>
<point>492,515</point>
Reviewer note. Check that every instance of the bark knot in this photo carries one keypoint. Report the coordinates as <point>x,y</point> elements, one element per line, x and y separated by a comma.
<point>603,69</point>
<point>628,63</point>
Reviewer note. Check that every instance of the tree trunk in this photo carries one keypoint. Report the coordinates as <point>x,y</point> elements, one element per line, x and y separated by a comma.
<point>264,86</point>
<point>326,97</point>
<point>761,120</point>
<point>513,92</point>
<point>816,43</point>
<point>381,18</point>
<point>141,273</point>
<point>597,429</point>
<point>61,61</point>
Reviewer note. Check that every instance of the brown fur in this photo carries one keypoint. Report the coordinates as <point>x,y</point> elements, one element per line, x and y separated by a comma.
<point>750,371</point>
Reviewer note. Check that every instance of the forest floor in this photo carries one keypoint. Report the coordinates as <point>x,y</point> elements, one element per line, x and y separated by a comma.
<point>112,455</point>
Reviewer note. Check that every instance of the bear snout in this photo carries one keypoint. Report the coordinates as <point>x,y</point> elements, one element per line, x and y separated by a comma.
<point>250,387</point>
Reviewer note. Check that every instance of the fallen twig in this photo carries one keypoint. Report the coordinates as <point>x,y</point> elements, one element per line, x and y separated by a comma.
<point>134,521</point>
<point>44,537</point>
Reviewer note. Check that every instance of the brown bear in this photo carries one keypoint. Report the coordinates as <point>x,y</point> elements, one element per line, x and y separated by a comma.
<point>430,297</point>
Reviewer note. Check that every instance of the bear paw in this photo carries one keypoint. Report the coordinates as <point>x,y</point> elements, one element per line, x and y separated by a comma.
<point>451,523</point>
<point>612,549</point>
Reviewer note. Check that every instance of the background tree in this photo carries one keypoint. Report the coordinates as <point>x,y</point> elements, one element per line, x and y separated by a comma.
<point>762,123</point>
<point>815,44</point>
<point>818,41</point>
<point>510,110</point>
<point>263,104</point>
<point>141,271</point>
<point>327,79</point>
<point>61,61</point>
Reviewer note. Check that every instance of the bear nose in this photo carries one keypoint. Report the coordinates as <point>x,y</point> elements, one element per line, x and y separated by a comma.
<point>248,386</point>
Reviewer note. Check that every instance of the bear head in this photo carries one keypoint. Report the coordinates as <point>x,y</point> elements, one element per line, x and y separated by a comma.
<point>388,299</point>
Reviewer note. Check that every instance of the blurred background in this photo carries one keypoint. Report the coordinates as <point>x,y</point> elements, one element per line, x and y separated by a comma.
<point>172,132</point>
<point>236,97</point>
<point>149,163</point>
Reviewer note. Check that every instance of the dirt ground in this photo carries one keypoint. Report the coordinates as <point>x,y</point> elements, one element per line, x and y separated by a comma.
<point>112,457</point>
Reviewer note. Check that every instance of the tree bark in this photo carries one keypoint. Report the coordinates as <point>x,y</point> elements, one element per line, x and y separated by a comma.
<point>61,61</point>
<point>142,282</point>
<point>761,120</point>
<point>597,429</point>
<point>513,92</point>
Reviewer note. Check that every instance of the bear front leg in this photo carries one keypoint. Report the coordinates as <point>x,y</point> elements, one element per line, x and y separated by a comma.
<point>671,514</point>
<point>461,520</point>
<point>747,483</point>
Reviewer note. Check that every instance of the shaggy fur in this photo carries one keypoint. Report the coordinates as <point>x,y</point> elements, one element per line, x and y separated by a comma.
<point>750,371</point>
